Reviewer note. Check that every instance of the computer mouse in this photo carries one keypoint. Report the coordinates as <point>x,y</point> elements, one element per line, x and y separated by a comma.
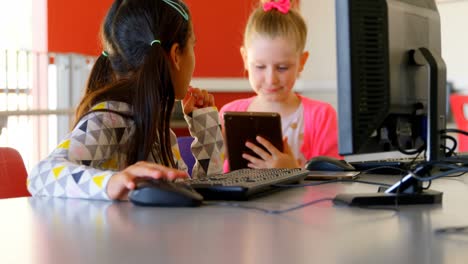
<point>152,192</point>
<point>324,163</point>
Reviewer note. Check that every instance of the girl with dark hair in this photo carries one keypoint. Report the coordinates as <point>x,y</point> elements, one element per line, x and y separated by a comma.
<point>122,130</point>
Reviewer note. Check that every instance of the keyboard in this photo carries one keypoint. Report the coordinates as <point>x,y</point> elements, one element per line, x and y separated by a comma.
<point>244,184</point>
<point>404,163</point>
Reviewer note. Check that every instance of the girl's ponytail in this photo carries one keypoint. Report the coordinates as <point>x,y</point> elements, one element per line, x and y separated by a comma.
<point>101,74</point>
<point>152,105</point>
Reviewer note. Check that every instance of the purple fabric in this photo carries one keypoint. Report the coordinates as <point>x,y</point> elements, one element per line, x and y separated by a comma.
<point>186,152</point>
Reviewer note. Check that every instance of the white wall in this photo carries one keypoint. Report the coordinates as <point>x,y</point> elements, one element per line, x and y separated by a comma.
<point>320,18</point>
<point>319,77</point>
<point>455,40</point>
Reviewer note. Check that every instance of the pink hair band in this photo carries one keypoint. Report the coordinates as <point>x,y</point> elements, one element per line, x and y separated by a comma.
<point>282,6</point>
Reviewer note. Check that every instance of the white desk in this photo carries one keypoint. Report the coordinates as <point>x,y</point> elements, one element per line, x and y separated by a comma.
<point>49,231</point>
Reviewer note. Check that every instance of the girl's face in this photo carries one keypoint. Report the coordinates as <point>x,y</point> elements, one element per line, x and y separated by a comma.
<point>273,64</point>
<point>186,65</point>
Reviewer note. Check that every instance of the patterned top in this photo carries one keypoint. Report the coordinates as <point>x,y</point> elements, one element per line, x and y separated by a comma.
<point>82,164</point>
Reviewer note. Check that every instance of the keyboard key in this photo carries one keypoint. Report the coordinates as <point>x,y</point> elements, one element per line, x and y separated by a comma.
<point>245,183</point>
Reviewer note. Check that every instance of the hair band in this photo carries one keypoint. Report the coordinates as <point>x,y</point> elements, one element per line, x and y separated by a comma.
<point>282,6</point>
<point>155,41</point>
<point>178,8</point>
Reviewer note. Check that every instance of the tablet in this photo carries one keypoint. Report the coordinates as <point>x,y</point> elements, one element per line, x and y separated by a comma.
<point>240,127</point>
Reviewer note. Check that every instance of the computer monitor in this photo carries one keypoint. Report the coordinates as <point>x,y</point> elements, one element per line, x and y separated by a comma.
<point>391,82</point>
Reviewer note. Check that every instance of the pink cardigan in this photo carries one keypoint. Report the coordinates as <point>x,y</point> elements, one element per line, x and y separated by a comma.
<point>320,126</point>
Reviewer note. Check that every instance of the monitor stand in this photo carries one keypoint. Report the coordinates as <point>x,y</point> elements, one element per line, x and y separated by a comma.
<point>409,190</point>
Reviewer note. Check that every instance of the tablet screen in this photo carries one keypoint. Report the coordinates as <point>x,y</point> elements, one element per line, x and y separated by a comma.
<point>240,127</point>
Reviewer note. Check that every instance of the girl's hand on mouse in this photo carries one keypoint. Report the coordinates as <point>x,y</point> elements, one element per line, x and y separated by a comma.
<point>195,99</point>
<point>273,159</point>
<point>122,182</point>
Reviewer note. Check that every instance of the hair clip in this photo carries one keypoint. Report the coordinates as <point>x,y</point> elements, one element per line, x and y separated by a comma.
<point>155,41</point>
<point>281,5</point>
<point>104,53</point>
<point>178,8</point>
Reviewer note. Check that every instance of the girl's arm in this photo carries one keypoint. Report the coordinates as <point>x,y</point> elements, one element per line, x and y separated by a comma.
<point>82,164</point>
<point>91,162</point>
<point>208,145</point>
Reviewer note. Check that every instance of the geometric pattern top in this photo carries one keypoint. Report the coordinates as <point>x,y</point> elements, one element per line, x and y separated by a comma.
<point>82,164</point>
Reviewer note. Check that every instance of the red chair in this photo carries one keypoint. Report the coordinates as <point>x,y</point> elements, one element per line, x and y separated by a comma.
<point>459,107</point>
<point>13,174</point>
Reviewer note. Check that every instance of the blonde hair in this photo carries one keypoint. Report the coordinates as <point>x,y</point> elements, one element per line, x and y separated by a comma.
<point>273,24</point>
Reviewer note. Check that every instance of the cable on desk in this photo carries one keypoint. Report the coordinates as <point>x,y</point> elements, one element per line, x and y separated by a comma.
<point>300,206</point>
<point>452,230</point>
<point>267,211</point>
<point>384,167</point>
<point>440,175</point>
<point>328,182</point>
<point>345,180</point>
<point>450,163</point>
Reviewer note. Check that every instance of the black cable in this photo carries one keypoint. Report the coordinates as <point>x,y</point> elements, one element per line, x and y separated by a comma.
<point>454,145</point>
<point>267,211</point>
<point>414,159</point>
<point>384,167</point>
<point>456,160</point>
<point>300,206</point>
<point>421,148</point>
<point>443,163</point>
<point>428,185</point>
<point>452,230</point>
<point>328,182</point>
<point>446,163</point>
<point>445,131</point>
<point>439,175</point>
<point>454,130</point>
<point>455,175</point>
<point>371,183</point>
<point>416,151</point>
<point>447,151</point>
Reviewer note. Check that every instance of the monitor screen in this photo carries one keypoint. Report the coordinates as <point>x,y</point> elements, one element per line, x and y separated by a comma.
<point>391,78</point>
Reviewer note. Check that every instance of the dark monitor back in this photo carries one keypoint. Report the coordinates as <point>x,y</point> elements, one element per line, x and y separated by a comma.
<point>382,95</point>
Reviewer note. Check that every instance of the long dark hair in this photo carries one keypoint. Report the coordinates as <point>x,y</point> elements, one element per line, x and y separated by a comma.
<point>102,74</point>
<point>142,72</point>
